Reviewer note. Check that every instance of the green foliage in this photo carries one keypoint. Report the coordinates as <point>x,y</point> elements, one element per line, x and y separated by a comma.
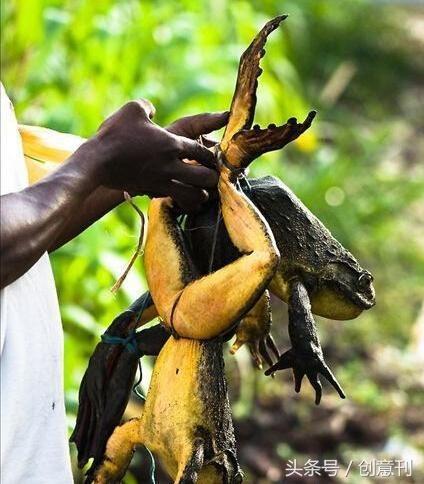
<point>68,64</point>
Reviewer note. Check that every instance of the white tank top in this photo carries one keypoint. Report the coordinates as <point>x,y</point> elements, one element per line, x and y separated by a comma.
<point>34,443</point>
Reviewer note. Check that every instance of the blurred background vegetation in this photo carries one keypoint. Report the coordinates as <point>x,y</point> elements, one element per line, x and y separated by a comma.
<point>68,64</point>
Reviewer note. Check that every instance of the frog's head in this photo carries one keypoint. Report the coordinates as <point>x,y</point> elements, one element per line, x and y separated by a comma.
<point>344,289</point>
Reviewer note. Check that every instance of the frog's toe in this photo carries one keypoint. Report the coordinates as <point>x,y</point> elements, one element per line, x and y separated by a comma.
<point>256,354</point>
<point>328,374</point>
<point>316,384</point>
<point>316,366</point>
<point>298,377</point>
<point>238,343</point>
<point>264,353</point>
<point>272,346</point>
<point>285,361</point>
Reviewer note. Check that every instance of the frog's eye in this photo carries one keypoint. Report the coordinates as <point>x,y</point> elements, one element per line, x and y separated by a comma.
<point>364,281</point>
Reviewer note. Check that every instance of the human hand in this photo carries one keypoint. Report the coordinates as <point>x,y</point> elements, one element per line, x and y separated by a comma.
<point>142,158</point>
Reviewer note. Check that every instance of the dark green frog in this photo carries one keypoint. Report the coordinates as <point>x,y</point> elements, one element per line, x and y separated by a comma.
<point>316,275</point>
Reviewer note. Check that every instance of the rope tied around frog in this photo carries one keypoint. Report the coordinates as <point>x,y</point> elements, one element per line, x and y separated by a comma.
<point>222,161</point>
<point>130,342</point>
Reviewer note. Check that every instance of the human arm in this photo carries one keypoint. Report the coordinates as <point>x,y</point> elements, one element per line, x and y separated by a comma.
<point>129,153</point>
<point>104,199</point>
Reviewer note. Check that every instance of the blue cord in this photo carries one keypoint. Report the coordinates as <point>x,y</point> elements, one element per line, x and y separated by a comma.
<point>129,342</point>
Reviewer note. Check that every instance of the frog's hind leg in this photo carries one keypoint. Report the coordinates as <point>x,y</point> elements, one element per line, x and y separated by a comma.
<point>119,451</point>
<point>207,307</point>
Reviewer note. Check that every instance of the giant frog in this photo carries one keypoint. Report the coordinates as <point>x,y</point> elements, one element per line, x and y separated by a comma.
<point>268,241</point>
<point>316,275</point>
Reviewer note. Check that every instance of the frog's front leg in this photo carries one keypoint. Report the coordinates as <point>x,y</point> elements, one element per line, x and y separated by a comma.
<point>254,330</point>
<point>305,356</point>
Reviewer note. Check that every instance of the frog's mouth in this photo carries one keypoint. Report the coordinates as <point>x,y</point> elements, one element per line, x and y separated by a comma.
<point>365,298</point>
<point>366,302</point>
<point>354,285</point>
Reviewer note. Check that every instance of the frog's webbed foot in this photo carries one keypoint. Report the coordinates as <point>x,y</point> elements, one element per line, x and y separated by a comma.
<point>240,144</point>
<point>246,145</point>
<point>305,356</point>
<point>107,382</point>
<point>244,100</point>
<point>311,365</point>
<point>254,330</point>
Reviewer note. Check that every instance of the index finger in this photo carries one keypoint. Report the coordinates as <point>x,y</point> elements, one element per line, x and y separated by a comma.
<point>195,151</point>
<point>199,124</point>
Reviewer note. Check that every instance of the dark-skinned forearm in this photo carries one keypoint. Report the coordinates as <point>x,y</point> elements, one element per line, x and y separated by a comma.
<point>97,204</point>
<point>34,217</point>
